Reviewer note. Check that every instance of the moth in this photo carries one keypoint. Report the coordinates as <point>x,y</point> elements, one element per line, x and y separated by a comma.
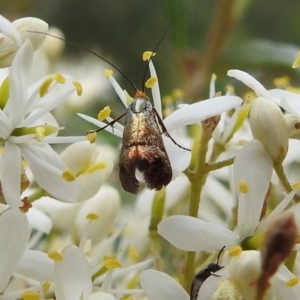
<point>202,275</point>
<point>142,144</point>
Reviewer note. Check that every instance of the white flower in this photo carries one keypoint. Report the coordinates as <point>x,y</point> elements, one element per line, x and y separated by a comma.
<point>13,35</point>
<point>186,115</point>
<point>14,238</point>
<point>160,286</point>
<point>24,133</point>
<point>89,168</point>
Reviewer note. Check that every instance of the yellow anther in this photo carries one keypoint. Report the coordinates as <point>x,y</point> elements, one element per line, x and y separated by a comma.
<point>104,113</point>
<point>235,251</point>
<point>45,86</point>
<point>92,216</point>
<point>96,167</point>
<point>282,81</point>
<point>244,187</point>
<point>91,136</point>
<point>46,286</point>
<point>4,92</point>
<point>132,253</point>
<point>296,186</point>
<point>68,175</point>
<point>296,63</point>
<point>150,82</point>
<point>147,55</point>
<point>292,282</point>
<point>28,295</point>
<point>55,255</point>
<point>214,77</point>
<point>108,72</point>
<point>59,78</point>
<point>229,88</point>
<point>78,87</point>
<point>112,263</point>
<point>178,93</point>
<point>39,133</point>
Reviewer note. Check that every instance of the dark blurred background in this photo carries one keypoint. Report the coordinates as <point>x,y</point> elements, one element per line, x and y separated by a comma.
<point>204,37</point>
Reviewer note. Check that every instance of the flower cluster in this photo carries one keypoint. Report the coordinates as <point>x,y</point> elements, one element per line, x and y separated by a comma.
<point>65,233</point>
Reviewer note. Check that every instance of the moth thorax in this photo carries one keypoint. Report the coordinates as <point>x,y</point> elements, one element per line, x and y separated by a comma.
<point>139,105</point>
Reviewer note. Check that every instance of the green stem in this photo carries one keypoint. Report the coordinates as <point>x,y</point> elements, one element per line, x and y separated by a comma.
<point>197,182</point>
<point>284,181</point>
<point>221,164</point>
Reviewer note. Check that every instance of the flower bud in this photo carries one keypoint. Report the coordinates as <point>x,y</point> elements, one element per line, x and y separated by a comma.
<point>269,127</point>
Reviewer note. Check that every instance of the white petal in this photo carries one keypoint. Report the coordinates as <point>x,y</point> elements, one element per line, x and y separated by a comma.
<point>192,234</point>
<point>282,291</point>
<point>47,172</point>
<point>72,277</point>
<point>10,168</point>
<point>287,100</point>
<point>5,126</point>
<point>14,238</point>
<point>8,29</point>
<point>179,158</point>
<point>19,78</point>
<point>160,286</point>
<point>155,90</point>
<point>253,166</point>
<point>24,25</point>
<point>36,265</point>
<point>107,211</point>
<point>39,221</point>
<point>101,124</point>
<point>100,296</point>
<point>197,112</point>
<point>277,210</point>
<point>251,82</point>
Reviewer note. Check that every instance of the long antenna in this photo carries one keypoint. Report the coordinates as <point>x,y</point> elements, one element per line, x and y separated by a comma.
<point>90,51</point>
<point>156,47</point>
<point>220,254</point>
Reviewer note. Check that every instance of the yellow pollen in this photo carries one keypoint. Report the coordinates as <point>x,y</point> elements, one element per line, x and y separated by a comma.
<point>92,216</point>
<point>96,167</point>
<point>108,72</point>
<point>104,113</point>
<point>150,82</point>
<point>292,282</point>
<point>55,255</point>
<point>147,55</point>
<point>46,286</point>
<point>112,263</point>
<point>39,133</point>
<point>229,88</point>
<point>68,175</point>
<point>45,86</point>
<point>28,295</point>
<point>282,81</point>
<point>91,136</point>
<point>244,187</point>
<point>296,63</point>
<point>78,87</point>
<point>132,253</point>
<point>214,77</point>
<point>235,251</point>
<point>59,78</point>
<point>178,93</point>
<point>296,186</point>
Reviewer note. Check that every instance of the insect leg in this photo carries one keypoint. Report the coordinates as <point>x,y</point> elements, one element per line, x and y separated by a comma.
<point>164,130</point>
